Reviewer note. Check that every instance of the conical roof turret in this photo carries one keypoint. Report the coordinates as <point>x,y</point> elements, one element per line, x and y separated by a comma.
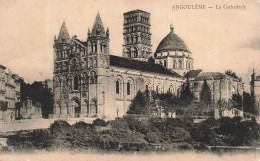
<point>98,28</point>
<point>64,36</point>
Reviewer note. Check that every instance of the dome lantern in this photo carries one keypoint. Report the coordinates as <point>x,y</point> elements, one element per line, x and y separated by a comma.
<point>171,28</point>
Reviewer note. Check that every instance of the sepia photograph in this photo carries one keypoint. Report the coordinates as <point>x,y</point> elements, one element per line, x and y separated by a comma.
<point>129,80</point>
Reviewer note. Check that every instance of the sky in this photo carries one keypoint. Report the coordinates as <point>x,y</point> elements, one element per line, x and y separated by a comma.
<point>219,39</point>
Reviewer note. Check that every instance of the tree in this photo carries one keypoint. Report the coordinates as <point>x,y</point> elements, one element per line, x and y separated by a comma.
<point>167,101</point>
<point>138,104</point>
<point>248,103</point>
<point>231,73</point>
<point>236,101</point>
<point>39,93</point>
<point>151,60</point>
<point>187,96</point>
<point>42,95</point>
<point>205,94</point>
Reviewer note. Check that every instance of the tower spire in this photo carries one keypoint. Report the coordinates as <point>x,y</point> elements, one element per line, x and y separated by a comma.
<point>98,28</point>
<point>64,36</point>
<point>89,32</point>
<point>171,28</point>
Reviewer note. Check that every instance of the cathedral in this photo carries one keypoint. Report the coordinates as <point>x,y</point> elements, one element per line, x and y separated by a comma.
<point>89,81</point>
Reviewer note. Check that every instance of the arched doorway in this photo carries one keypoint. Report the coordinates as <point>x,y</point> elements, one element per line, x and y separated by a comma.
<point>77,107</point>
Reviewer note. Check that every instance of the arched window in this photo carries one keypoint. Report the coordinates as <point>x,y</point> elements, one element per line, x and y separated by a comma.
<point>165,63</point>
<point>171,89</point>
<point>129,53</point>
<point>93,78</point>
<point>76,83</point>
<point>174,64</point>
<point>128,88</point>
<point>190,65</point>
<point>180,64</point>
<point>117,87</point>
<point>94,62</point>
<point>119,91</point>
<point>135,53</point>
<point>187,65</point>
<point>157,89</point>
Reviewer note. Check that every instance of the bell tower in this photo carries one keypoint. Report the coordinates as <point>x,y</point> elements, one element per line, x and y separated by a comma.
<point>98,39</point>
<point>137,35</point>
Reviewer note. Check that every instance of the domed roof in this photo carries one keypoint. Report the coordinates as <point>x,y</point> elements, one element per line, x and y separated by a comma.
<point>172,42</point>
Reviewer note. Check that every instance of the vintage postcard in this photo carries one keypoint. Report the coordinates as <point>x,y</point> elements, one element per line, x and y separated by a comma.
<point>93,80</point>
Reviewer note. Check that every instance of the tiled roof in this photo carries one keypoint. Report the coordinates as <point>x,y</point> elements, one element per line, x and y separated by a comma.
<point>193,73</point>
<point>140,65</point>
<point>210,75</point>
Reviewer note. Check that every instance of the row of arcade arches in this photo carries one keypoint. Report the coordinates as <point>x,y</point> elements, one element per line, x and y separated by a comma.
<point>130,88</point>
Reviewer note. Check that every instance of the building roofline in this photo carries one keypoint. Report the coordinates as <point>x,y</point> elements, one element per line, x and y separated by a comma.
<point>141,66</point>
<point>137,10</point>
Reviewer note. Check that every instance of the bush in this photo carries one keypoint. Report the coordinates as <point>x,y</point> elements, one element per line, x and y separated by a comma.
<point>226,131</point>
<point>228,126</point>
<point>199,146</point>
<point>178,134</point>
<point>156,124</point>
<point>59,126</point>
<point>153,137</point>
<point>120,132</point>
<point>38,139</point>
<point>247,133</point>
<point>99,122</point>
<point>119,123</point>
<point>135,125</point>
<point>201,132</point>
<point>82,124</point>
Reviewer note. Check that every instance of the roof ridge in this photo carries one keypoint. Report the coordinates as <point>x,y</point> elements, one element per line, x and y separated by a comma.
<point>141,65</point>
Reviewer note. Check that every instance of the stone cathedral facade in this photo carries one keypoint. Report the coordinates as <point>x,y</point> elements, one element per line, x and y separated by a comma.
<point>91,82</point>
